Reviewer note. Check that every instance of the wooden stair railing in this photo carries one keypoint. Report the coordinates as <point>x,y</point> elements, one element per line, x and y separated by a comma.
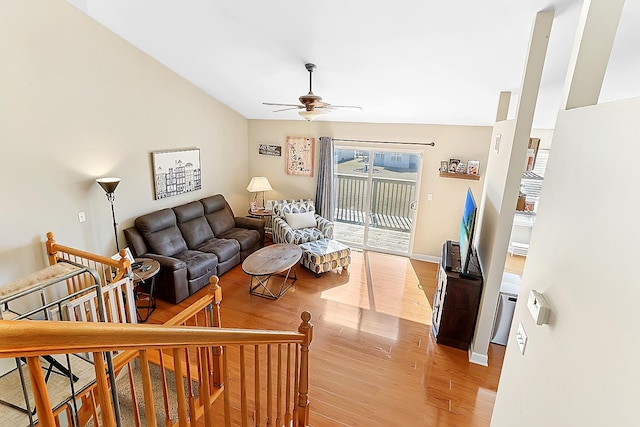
<point>108,269</point>
<point>276,377</point>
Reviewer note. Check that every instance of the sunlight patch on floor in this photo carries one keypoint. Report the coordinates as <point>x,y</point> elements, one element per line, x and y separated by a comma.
<point>376,306</point>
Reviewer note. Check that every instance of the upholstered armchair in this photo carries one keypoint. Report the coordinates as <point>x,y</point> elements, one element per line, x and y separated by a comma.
<point>295,221</point>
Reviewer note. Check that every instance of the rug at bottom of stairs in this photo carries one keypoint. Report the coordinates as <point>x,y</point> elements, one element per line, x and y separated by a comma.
<point>126,402</point>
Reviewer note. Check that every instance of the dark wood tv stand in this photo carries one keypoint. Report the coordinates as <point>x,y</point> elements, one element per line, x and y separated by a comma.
<point>455,304</point>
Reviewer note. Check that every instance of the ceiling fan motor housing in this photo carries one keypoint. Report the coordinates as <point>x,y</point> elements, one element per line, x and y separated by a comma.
<point>310,101</point>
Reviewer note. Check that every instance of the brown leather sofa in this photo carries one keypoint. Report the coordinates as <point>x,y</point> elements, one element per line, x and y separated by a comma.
<point>192,242</point>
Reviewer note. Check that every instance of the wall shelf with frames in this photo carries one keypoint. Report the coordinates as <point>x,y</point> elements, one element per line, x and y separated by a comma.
<point>460,176</point>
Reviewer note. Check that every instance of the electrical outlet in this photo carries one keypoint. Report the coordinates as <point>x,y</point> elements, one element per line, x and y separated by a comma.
<point>81,217</point>
<point>521,337</point>
<point>429,197</point>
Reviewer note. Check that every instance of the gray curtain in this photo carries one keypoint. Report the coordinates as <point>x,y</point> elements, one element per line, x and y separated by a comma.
<point>325,197</point>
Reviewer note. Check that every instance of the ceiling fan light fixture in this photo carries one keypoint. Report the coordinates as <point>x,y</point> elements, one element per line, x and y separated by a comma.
<point>310,115</point>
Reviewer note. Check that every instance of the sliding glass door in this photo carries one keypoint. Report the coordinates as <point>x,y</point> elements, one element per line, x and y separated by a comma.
<point>375,198</point>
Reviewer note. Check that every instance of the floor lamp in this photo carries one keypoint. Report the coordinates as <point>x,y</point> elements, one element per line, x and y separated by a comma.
<point>109,186</point>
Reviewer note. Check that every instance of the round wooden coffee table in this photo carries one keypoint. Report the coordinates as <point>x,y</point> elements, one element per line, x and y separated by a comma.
<point>273,260</point>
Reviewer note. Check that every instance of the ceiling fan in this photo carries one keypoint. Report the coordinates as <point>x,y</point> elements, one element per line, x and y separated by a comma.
<point>310,104</point>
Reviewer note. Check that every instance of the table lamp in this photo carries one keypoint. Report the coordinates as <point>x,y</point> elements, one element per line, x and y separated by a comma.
<point>259,184</point>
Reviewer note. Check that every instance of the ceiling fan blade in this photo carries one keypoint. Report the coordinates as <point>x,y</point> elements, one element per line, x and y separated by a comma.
<point>297,107</point>
<point>282,105</point>
<point>343,106</point>
<point>319,104</point>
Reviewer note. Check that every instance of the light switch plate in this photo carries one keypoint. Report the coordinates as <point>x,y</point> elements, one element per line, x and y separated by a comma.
<point>521,337</point>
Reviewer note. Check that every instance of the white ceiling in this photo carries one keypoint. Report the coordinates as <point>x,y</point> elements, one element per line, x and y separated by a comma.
<point>407,61</point>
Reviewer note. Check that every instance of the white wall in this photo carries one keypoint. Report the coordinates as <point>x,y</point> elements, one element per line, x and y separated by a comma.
<point>580,369</point>
<point>78,103</point>
<point>437,220</point>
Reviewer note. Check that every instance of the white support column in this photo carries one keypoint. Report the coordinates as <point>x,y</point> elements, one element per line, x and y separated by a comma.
<point>493,262</point>
<point>503,106</point>
<point>594,39</point>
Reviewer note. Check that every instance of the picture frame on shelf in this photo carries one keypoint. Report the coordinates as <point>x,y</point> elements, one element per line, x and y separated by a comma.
<point>444,166</point>
<point>473,167</point>
<point>461,168</point>
<point>453,165</point>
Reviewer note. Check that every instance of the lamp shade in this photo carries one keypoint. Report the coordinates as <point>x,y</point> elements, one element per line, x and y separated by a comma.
<point>108,184</point>
<point>259,183</point>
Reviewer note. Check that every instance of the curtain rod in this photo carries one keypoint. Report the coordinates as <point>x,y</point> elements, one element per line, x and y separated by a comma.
<point>432,144</point>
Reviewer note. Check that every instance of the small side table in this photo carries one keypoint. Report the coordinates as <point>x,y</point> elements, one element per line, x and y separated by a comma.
<point>144,286</point>
<point>264,215</point>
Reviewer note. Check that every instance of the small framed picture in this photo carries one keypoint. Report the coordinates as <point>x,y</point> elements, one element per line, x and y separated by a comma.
<point>473,167</point>
<point>453,165</point>
<point>444,166</point>
<point>461,168</point>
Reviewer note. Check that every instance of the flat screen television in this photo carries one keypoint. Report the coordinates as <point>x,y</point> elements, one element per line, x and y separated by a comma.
<point>467,227</point>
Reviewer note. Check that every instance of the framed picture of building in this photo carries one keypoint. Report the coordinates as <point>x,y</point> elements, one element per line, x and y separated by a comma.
<point>176,172</point>
<point>299,155</point>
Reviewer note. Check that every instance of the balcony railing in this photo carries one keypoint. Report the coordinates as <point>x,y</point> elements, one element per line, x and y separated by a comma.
<point>391,200</point>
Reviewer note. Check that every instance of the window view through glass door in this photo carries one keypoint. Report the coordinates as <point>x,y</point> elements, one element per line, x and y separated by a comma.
<point>375,196</point>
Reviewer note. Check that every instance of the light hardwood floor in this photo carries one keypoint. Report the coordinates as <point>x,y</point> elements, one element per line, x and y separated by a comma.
<point>373,359</point>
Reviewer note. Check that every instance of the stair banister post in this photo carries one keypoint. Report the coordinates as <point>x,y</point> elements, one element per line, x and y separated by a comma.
<point>51,253</point>
<point>305,328</point>
<point>216,290</point>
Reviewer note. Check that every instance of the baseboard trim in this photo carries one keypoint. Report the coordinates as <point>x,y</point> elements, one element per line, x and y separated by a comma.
<point>478,359</point>
<point>427,258</point>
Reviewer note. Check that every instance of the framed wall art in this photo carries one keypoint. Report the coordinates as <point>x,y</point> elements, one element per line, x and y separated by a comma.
<point>299,155</point>
<point>270,150</point>
<point>176,172</point>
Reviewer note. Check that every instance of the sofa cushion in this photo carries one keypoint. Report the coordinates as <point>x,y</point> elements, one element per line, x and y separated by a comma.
<point>225,249</point>
<point>198,263</point>
<point>300,220</point>
<point>246,238</point>
<point>161,232</point>
<point>192,223</point>
<point>218,213</point>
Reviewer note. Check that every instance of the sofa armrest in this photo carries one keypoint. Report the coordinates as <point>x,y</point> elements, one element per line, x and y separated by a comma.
<point>281,231</point>
<point>167,262</point>
<point>325,226</point>
<point>171,283</point>
<point>135,241</point>
<point>251,224</point>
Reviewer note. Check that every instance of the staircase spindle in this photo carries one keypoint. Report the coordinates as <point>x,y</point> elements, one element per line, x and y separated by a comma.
<point>279,388</point>
<point>40,393</point>
<point>191,397</point>
<point>205,391</point>
<point>256,387</point>
<point>104,396</point>
<point>296,385</point>
<point>287,413</point>
<point>227,389</point>
<point>134,397</point>
<point>179,373</point>
<point>243,389</point>
<point>269,388</point>
<point>165,393</point>
<point>149,406</point>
